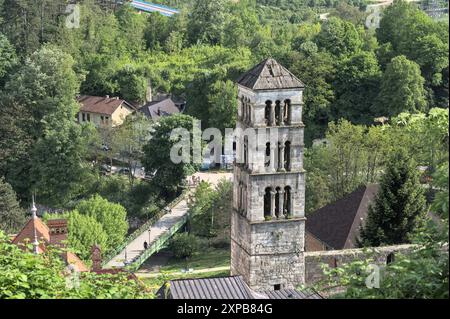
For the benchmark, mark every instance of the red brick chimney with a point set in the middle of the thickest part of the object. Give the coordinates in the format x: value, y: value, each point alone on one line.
x: 58, y: 231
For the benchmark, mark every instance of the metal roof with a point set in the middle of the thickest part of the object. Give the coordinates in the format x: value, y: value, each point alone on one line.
x: 293, y: 294
x: 210, y: 288
x: 269, y: 75
x: 233, y: 287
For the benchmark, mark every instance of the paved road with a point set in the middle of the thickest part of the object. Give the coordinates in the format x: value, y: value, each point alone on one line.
x: 136, y: 247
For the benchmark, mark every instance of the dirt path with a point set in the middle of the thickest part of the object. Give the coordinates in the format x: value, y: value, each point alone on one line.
x: 195, y: 272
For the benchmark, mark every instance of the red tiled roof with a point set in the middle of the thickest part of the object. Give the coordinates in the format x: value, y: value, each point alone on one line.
x: 72, y: 259
x: 101, y: 105
x: 44, y: 236
x: 27, y: 232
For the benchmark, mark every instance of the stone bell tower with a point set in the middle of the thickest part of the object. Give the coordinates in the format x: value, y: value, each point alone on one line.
x: 268, y: 219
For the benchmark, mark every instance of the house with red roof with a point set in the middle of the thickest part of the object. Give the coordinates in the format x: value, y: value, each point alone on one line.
x: 41, y: 235
x: 103, y: 111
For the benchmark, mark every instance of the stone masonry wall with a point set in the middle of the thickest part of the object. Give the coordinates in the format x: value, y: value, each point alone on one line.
x: 268, y: 253
x: 315, y: 260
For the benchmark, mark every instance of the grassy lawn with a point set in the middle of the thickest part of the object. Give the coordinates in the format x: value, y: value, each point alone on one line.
x: 210, y: 258
x: 155, y: 283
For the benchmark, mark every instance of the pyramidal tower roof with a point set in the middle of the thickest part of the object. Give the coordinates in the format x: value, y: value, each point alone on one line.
x: 269, y: 75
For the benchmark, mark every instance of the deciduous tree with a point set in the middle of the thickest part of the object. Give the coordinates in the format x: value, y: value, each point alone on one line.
x: 168, y: 176
x: 402, y: 88
x: 112, y: 217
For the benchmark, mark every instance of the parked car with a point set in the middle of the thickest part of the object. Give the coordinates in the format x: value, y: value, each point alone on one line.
x: 105, y: 147
x: 150, y: 175
x: 124, y: 171
x: 105, y: 169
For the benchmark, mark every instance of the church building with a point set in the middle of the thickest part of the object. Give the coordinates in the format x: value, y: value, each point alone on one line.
x: 268, y: 219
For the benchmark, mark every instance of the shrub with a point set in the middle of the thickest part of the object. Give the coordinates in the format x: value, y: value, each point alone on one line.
x: 184, y: 245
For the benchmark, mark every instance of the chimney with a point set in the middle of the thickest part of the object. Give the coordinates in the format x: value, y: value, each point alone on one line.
x: 149, y: 94
x: 58, y: 231
x: 96, y: 256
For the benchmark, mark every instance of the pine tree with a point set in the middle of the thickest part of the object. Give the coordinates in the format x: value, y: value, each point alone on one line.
x: 12, y: 217
x: 399, y: 208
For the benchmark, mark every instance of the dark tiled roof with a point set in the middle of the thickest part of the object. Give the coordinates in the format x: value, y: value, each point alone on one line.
x: 269, y: 75
x: 337, y: 224
x: 101, y: 105
x: 227, y: 288
x: 157, y: 109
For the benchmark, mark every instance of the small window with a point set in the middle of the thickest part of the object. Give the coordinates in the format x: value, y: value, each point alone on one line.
x: 390, y: 258
x: 84, y: 117
x: 277, y: 287
x: 88, y: 117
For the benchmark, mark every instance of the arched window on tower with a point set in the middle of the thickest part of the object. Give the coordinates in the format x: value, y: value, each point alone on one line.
x: 244, y: 200
x: 241, y: 198
x: 268, y: 202
x: 280, y: 156
x: 287, y: 156
x: 267, y: 112
x: 239, y: 204
x: 287, y: 112
x: 245, y: 110
x: 242, y: 107
x: 246, y: 151
x: 267, y: 157
x: 278, y: 116
x: 277, y: 202
x: 249, y: 112
x: 287, y: 201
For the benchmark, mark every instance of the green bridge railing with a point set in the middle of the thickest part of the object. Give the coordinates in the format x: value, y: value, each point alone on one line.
x: 144, y: 227
x: 157, y: 245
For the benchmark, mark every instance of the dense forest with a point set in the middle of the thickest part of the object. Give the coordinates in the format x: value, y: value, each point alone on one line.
x: 351, y: 72
x: 372, y: 94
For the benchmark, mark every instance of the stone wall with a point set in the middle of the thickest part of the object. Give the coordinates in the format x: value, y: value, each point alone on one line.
x: 337, y: 258
x: 268, y: 254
